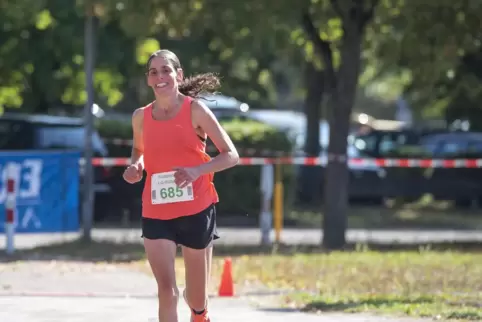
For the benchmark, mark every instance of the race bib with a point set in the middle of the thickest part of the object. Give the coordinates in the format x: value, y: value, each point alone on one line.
x: 165, y: 190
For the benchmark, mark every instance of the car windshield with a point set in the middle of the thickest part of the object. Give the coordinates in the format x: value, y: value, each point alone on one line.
x: 220, y: 102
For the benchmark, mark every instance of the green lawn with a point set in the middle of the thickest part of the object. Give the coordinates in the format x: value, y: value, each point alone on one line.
x: 446, y: 285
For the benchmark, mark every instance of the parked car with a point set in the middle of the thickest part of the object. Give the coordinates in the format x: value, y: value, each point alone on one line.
x: 20, y: 131
x: 461, y: 184
x: 224, y: 106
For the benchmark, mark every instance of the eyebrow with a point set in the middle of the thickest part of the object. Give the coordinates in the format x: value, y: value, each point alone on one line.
x: 152, y: 68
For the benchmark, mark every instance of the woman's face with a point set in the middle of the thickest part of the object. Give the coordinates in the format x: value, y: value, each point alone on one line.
x: 162, y: 77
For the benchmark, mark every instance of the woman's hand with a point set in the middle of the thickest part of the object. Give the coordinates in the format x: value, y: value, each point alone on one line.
x: 185, y: 176
x: 133, y: 173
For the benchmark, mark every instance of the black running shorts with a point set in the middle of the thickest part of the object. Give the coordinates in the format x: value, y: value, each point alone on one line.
x: 196, y: 231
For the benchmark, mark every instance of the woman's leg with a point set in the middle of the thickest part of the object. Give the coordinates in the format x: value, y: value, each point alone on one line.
x: 197, y: 265
x: 209, y: 254
x: 189, y: 273
x: 197, y: 235
x: 161, y: 254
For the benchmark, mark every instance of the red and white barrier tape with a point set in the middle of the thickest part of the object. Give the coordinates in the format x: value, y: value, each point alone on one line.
x: 10, y: 208
x: 385, y: 163
x: 211, y: 148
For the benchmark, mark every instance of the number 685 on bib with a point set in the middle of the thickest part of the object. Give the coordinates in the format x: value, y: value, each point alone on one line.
x: 164, y: 189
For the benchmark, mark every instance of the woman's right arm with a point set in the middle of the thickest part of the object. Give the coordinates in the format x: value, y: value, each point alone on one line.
x: 137, y: 154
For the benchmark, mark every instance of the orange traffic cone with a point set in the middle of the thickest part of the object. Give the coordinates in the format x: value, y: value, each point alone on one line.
x: 226, y: 288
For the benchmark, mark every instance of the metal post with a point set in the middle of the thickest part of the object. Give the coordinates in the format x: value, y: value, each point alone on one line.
x: 10, y: 209
x: 88, y: 193
x: 266, y: 216
x: 278, y: 202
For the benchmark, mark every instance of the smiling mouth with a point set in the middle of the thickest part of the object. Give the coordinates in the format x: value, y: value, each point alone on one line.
x: 161, y: 85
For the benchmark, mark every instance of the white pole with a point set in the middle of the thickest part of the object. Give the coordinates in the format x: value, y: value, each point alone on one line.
x: 266, y: 215
x: 10, y: 209
x: 88, y: 193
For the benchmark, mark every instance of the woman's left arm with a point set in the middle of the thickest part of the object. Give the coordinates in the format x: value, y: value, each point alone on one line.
x: 228, y: 156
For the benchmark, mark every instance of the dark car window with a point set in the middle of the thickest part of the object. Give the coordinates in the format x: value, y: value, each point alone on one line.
x: 383, y: 143
x: 392, y: 142
x: 367, y: 144
x: 15, y: 136
x: 475, y: 147
x: 453, y: 147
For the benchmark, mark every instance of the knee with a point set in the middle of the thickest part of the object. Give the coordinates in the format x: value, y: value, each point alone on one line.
x: 168, y: 295
x: 167, y: 291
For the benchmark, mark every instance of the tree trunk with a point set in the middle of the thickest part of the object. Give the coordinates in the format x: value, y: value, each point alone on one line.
x: 342, y: 86
x: 337, y: 174
x: 310, y: 176
x: 314, y: 95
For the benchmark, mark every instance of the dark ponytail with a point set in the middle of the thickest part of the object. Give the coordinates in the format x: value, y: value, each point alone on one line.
x: 192, y: 86
x: 199, y: 84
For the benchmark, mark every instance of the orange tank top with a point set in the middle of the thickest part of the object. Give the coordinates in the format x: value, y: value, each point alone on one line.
x: 167, y: 145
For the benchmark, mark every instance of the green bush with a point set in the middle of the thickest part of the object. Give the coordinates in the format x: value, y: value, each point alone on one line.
x: 238, y: 187
x: 247, y: 134
x: 114, y: 129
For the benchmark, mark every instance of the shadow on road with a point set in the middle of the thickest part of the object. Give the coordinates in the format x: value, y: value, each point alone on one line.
x: 374, y: 302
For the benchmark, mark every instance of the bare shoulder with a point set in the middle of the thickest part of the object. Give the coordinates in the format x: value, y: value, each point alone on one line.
x: 200, y: 110
x: 138, y: 113
x: 137, y: 128
x: 138, y: 116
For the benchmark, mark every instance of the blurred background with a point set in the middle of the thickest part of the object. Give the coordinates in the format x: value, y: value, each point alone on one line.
x: 330, y: 79
x: 358, y: 123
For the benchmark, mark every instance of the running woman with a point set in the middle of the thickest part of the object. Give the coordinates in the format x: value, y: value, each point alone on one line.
x: 179, y: 197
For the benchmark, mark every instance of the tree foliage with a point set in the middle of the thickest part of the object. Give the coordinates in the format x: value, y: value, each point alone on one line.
x: 422, y: 44
x: 43, y: 47
x: 416, y: 47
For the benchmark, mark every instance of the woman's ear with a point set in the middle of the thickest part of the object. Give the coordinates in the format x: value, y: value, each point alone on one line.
x: 180, y: 75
